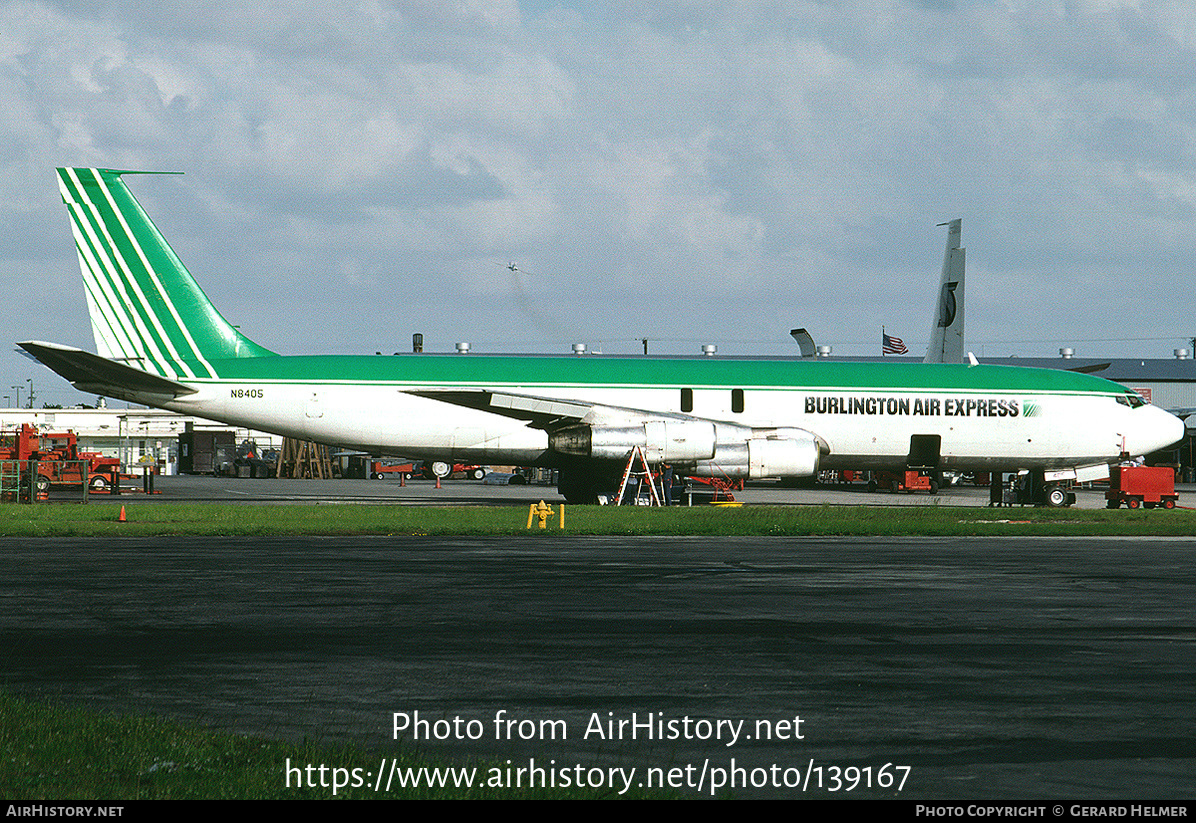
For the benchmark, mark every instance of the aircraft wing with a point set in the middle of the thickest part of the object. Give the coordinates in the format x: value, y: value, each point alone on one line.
x: 544, y: 413
x: 98, y: 375
x: 592, y: 430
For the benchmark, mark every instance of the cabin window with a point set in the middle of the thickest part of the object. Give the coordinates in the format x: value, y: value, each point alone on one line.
x: 737, y: 400
x: 687, y: 400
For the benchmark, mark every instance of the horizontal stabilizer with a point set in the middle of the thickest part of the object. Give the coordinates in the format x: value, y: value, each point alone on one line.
x: 99, y: 375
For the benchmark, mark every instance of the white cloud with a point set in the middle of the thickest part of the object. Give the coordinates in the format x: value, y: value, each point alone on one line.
x: 736, y: 164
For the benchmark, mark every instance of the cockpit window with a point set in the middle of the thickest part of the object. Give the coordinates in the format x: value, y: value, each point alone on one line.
x: 1131, y: 399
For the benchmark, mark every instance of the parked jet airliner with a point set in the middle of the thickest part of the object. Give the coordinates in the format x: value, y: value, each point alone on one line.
x: 162, y: 343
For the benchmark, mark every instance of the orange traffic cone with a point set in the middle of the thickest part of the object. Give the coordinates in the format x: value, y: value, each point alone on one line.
x: 121, y: 519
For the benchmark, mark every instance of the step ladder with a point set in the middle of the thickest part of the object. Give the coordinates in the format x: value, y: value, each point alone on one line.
x: 645, y: 477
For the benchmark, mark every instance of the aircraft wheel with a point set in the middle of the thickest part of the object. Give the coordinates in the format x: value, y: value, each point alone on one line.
x: 99, y: 483
x: 479, y: 474
x: 441, y: 469
x: 376, y: 476
x: 871, y: 485
x: 934, y: 487
x: 42, y: 484
x: 894, y: 486
x: 1056, y: 497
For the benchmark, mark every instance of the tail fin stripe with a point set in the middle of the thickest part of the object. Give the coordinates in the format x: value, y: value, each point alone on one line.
x: 130, y: 280
x: 111, y: 337
x: 107, y: 266
x: 124, y: 277
x: 151, y: 273
x: 101, y: 284
x: 116, y: 342
x: 108, y: 337
x: 107, y: 287
x: 145, y: 306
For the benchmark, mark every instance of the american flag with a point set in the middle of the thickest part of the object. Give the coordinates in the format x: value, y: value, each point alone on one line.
x: 892, y: 345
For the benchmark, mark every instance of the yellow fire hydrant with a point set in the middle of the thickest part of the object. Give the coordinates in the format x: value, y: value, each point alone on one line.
x: 543, y: 511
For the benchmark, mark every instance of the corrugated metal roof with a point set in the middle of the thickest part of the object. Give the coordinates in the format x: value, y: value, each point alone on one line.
x: 1120, y: 370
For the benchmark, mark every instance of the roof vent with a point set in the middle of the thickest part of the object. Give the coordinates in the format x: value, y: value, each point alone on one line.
x: 709, y: 349
x: 1182, y: 354
x: 579, y: 348
x: 1067, y: 353
x: 824, y: 351
x: 462, y: 348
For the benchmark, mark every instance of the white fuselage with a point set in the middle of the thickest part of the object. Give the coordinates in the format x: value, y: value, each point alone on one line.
x: 862, y: 429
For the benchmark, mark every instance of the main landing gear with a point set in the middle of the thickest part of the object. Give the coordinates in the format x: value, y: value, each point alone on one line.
x: 582, y: 484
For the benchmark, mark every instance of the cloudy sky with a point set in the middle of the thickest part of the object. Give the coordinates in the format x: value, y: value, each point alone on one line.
x: 688, y: 171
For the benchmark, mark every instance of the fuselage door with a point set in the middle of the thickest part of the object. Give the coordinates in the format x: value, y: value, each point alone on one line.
x: 924, y: 451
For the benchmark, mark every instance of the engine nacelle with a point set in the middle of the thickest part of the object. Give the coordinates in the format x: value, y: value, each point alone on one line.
x: 673, y: 441
x: 714, y: 450
x: 796, y: 454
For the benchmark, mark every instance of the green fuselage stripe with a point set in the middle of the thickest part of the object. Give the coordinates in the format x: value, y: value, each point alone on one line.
x: 594, y: 372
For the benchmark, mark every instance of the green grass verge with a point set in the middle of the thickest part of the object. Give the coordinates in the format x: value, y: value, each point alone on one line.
x: 216, y: 519
x: 54, y: 753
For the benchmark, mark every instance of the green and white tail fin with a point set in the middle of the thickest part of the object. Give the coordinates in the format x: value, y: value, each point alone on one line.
x: 146, y: 309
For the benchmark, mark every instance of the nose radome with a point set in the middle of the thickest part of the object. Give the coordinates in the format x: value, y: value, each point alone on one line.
x: 1163, y: 429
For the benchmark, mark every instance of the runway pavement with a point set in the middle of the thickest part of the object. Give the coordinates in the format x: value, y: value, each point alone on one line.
x: 967, y: 669
x: 419, y: 492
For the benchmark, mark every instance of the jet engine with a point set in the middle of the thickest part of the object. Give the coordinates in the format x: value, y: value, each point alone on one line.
x: 711, y: 449
x: 764, y: 456
x: 672, y: 441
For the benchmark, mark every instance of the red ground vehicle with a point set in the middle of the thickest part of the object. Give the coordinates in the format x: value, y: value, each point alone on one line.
x: 721, y: 488
x: 379, y: 470
x: 1136, y: 486
x: 438, y: 468
x: 58, y: 458
x: 907, y: 481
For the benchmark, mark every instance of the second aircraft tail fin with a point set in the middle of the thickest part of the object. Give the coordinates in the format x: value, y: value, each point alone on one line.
x: 946, y: 333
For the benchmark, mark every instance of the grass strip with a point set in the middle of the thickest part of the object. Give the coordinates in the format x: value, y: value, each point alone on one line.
x: 61, y: 753
x: 216, y: 519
